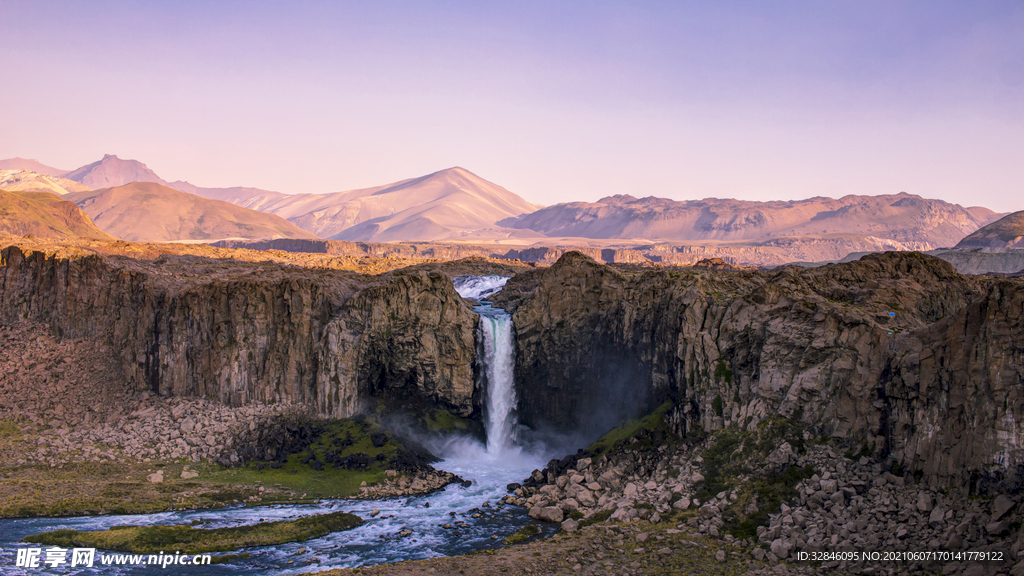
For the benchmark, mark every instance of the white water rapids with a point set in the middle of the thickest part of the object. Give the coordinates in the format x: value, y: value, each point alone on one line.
x: 490, y: 467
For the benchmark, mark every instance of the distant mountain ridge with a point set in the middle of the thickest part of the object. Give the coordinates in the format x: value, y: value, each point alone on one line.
x: 448, y: 204
x: 456, y: 205
x: 45, y: 215
x: 1007, y: 232
x: 33, y: 165
x: 900, y: 217
x: 113, y: 171
x: 151, y: 212
x: 29, y: 181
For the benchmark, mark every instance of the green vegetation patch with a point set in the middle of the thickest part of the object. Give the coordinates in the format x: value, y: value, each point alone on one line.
x: 80, y: 488
x: 441, y: 420
x: 9, y: 428
x: 523, y: 534
x: 737, y: 452
x: 649, y: 431
x: 736, y: 459
x: 597, y: 518
x: 723, y: 372
x: 189, y: 540
x: 770, y: 492
x: 340, y: 455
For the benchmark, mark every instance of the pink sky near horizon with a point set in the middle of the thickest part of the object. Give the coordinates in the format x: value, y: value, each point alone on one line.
x: 555, y: 101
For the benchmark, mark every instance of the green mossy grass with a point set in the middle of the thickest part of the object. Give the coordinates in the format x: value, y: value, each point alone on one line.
x: 441, y: 420
x: 597, y: 518
x: 74, y: 489
x: 189, y: 540
x: 9, y: 429
x: 735, y: 459
x: 111, y: 488
x: 350, y: 438
x: 523, y: 534
x: 649, y: 431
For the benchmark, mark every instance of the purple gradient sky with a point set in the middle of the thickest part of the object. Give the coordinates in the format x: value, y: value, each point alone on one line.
x: 556, y: 101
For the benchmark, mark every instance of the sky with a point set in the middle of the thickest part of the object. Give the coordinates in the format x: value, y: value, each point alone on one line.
x: 556, y: 101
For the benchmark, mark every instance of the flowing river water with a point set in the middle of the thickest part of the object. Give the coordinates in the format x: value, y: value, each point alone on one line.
x: 489, y: 466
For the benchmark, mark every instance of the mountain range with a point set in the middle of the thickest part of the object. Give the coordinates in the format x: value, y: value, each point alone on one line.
x: 448, y: 204
x: 901, y: 217
x: 457, y: 205
x: 150, y: 212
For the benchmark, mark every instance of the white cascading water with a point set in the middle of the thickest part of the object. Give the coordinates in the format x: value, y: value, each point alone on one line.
x: 498, y: 361
x: 497, y: 348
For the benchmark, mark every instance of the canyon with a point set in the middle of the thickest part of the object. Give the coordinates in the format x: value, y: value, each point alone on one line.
x: 895, y: 352
x: 889, y: 378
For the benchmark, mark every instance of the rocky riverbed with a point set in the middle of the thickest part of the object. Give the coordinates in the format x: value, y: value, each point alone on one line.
x: 777, y: 498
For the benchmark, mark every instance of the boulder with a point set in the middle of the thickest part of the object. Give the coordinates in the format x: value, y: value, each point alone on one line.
x: 1000, y: 506
x: 1000, y: 528
x: 925, y: 502
x: 781, y: 456
x: 609, y: 478
x: 709, y: 511
x: 156, y: 477
x: 781, y: 548
x: 585, y: 498
x: 547, y: 513
x: 937, y: 518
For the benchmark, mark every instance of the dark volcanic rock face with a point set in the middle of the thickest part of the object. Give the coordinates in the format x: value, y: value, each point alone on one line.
x: 407, y: 341
x: 896, y: 353
x: 241, y: 332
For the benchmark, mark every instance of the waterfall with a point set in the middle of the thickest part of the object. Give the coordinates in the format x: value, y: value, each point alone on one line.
x: 497, y: 360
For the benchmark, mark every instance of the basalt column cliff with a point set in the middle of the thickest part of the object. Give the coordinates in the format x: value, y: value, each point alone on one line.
x: 242, y: 332
x: 896, y: 354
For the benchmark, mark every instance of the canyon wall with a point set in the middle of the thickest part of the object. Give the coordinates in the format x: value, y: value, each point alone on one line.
x: 896, y: 353
x: 245, y: 332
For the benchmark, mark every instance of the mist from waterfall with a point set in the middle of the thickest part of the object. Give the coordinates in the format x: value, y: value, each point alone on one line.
x: 496, y: 344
